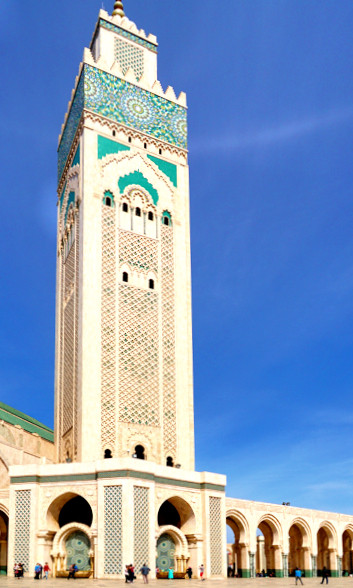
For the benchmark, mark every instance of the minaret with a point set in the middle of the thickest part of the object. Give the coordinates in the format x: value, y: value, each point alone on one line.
x: 123, y: 320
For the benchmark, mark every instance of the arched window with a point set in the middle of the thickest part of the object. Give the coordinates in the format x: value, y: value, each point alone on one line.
x: 170, y: 462
x: 151, y: 284
x: 108, y: 199
x: 166, y: 221
x: 125, y: 277
x: 125, y: 207
x: 139, y: 452
x: 107, y: 454
x: 138, y: 211
x: 150, y: 215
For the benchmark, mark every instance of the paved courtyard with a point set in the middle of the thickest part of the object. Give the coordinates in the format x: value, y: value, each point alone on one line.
x: 240, y: 583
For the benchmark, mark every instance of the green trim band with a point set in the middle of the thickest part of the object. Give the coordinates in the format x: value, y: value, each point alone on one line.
x: 123, y: 33
x: 115, y: 474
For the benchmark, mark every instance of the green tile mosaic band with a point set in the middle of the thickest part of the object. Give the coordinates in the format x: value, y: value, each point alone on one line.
x: 123, y: 33
x: 125, y: 103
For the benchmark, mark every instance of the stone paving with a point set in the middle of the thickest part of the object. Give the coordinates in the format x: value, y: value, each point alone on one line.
x: 231, y: 583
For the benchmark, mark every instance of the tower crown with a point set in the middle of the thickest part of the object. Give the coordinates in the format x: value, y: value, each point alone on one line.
x: 118, y: 9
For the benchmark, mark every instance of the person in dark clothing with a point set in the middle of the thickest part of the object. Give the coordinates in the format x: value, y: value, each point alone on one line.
x: 189, y: 573
x: 324, y: 575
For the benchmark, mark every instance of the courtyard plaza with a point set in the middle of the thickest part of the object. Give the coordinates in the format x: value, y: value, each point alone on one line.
x: 345, y: 582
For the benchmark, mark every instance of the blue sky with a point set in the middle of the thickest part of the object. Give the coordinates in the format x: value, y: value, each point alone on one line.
x: 270, y: 95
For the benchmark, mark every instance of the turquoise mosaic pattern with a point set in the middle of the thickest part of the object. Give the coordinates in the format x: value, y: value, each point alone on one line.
x: 71, y: 127
x: 169, y: 169
x: 107, y: 146
x: 165, y: 552
x: 77, y: 551
x: 76, y: 159
x: 127, y: 104
x: 127, y: 35
x: 138, y: 179
x: 118, y: 100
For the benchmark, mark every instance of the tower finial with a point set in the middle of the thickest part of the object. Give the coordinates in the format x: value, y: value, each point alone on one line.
x: 118, y: 8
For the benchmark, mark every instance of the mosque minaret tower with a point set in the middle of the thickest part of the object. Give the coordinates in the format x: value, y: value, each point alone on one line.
x: 119, y: 484
x: 123, y: 383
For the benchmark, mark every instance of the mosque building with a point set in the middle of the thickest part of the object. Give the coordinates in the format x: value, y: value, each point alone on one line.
x: 116, y: 482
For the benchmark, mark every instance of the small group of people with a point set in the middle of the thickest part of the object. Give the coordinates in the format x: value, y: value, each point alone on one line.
x: 298, y: 575
x: 18, y: 570
x: 130, y: 573
x: 39, y: 569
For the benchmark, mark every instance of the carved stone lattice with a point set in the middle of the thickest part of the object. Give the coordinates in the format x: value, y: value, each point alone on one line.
x: 68, y: 341
x: 69, y: 317
x: 141, y: 526
x: 138, y: 251
x: 168, y: 332
x: 129, y: 56
x: 215, y: 535
x: 77, y: 269
x: 113, y: 530
x: 108, y: 327
x: 22, y: 527
x: 138, y: 356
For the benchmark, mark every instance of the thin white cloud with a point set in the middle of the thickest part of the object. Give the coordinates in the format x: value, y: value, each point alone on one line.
x: 266, y: 137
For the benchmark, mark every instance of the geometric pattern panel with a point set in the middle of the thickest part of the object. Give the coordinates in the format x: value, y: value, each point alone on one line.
x: 114, y: 98
x: 165, y: 552
x: 215, y: 536
x: 22, y: 527
x: 134, y: 107
x: 141, y: 527
x: 78, y: 547
x: 129, y: 56
x: 113, y: 529
x: 168, y: 334
x: 71, y: 125
x: 138, y: 356
x: 137, y: 251
x: 108, y: 328
x: 68, y: 392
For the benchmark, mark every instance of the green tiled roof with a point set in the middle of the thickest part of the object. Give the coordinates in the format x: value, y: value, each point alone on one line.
x: 16, y: 417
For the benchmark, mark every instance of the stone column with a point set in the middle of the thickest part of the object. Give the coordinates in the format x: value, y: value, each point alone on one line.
x: 252, y: 564
x: 285, y: 565
x: 314, y: 565
x: 339, y: 566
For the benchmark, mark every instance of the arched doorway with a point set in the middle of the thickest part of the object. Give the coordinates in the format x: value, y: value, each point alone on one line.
x: 165, y: 552
x: 69, y: 518
x: 347, y: 550
x: 4, y: 526
x: 269, y: 550
x: 299, y: 548
x: 69, y: 508
x: 238, y: 561
x: 177, y: 512
x: 326, y: 549
x: 176, y: 522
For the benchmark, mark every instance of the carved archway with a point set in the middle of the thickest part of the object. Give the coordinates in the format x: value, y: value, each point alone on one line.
x: 271, y: 530
x: 239, y: 552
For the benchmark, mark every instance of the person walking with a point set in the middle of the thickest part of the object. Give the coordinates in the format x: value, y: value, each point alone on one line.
x: 37, y: 571
x: 324, y: 575
x: 202, y: 572
x: 46, y: 570
x: 298, y: 576
x: 189, y: 572
x: 145, y: 570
